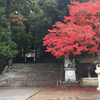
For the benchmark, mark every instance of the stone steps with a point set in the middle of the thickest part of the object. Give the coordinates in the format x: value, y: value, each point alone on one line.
x: 32, y: 74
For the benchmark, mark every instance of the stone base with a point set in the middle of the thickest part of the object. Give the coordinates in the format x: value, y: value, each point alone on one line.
x: 69, y: 84
x: 98, y: 88
x: 92, y: 81
x: 70, y: 74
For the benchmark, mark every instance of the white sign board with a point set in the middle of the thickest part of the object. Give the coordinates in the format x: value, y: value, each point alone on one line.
x: 70, y: 73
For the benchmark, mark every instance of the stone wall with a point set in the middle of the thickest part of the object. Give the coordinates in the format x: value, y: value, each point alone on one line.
x: 93, y: 81
x: 35, y: 74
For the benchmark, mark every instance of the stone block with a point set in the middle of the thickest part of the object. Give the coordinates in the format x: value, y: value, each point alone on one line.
x: 93, y: 81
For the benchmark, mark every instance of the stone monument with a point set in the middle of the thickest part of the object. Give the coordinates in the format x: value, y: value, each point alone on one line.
x: 70, y: 75
x: 69, y: 69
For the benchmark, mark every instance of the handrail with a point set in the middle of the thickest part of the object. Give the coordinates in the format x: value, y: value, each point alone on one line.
x: 4, y: 71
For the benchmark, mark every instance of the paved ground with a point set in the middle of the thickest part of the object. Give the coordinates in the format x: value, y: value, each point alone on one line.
x: 49, y: 93
x: 74, y: 93
x: 17, y: 93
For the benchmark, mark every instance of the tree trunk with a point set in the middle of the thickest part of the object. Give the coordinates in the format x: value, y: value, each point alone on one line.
x: 8, y: 12
x: 9, y: 23
x: 24, y: 54
x: 36, y: 51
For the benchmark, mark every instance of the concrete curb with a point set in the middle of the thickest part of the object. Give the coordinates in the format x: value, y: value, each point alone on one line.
x: 36, y: 93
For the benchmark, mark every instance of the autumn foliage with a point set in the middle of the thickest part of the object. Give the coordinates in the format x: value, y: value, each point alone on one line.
x: 80, y: 32
x: 17, y: 18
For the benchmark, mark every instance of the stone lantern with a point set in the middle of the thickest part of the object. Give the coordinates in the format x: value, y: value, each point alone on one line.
x: 97, y: 71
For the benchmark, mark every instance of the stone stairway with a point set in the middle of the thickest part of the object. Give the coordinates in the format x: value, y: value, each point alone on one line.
x: 31, y: 74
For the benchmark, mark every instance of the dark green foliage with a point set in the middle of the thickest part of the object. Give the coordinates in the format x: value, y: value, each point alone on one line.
x: 83, y: 0
x: 7, y: 47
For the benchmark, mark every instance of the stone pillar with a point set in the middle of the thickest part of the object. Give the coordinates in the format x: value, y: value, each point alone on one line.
x: 10, y: 62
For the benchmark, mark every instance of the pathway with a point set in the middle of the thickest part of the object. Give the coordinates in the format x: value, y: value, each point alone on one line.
x: 17, y: 93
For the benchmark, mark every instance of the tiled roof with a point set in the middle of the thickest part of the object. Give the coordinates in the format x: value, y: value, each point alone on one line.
x: 97, y: 62
x: 88, y: 60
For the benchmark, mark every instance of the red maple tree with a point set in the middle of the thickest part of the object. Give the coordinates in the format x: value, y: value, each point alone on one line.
x: 80, y: 32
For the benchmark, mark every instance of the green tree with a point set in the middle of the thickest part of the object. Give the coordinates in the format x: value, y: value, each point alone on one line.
x: 7, y: 46
x: 19, y: 33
